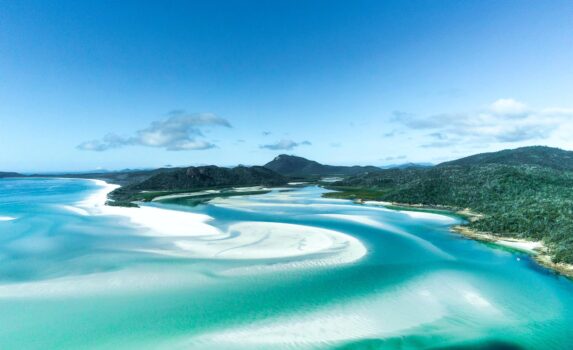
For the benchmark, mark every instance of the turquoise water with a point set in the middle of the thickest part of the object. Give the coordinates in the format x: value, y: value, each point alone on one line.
x: 72, y: 277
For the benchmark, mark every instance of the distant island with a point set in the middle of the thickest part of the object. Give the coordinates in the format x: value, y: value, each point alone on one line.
x: 4, y: 174
x: 524, y: 193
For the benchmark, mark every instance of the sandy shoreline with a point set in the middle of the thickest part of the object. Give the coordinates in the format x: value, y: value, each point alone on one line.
x: 163, y: 222
x: 234, y: 190
x: 156, y: 221
x: 192, y: 235
x: 535, y: 248
x: 530, y: 247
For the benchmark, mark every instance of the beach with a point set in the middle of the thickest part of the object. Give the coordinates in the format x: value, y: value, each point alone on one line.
x: 535, y: 248
x: 283, y: 270
x: 192, y: 236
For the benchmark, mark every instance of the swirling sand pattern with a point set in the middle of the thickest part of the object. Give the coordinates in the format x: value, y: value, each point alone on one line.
x: 283, y: 270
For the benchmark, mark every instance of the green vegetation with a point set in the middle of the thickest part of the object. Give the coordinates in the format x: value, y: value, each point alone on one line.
x: 353, y: 193
x: 193, y: 179
x: 121, y: 204
x: 525, y: 192
x: 547, y: 157
x: 203, y: 198
x: 148, y: 196
x: 9, y: 174
x: 527, y: 201
x: 193, y: 198
x: 299, y: 167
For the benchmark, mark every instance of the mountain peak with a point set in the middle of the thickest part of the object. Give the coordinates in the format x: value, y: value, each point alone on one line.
x: 288, y: 156
x: 291, y: 165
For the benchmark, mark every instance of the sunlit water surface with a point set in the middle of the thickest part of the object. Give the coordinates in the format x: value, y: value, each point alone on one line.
x: 283, y: 270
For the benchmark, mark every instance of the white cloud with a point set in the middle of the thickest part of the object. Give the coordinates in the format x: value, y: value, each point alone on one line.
x: 504, y: 121
x: 179, y: 132
x: 400, y: 157
x: 508, y: 107
x: 285, y: 145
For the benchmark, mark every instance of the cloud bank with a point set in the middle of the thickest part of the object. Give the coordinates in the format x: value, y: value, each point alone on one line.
x: 504, y: 121
x: 285, y: 145
x: 179, y: 132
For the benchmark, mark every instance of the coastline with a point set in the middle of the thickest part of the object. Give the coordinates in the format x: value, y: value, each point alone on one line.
x: 157, y: 220
x: 193, y: 236
x: 536, y: 249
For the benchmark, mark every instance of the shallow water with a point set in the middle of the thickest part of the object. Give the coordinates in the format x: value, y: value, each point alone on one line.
x: 283, y: 270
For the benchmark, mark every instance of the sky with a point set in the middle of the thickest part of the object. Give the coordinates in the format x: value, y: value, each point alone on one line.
x: 87, y: 85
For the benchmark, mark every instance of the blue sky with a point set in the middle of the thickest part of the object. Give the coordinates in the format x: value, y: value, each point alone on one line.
x: 117, y: 84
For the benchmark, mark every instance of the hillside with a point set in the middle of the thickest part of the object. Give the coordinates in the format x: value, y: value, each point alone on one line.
x: 407, y: 166
x: 294, y: 166
x: 549, y: 157
x: 195, y: 178
x: 9, y: 174
x: 522, y: 200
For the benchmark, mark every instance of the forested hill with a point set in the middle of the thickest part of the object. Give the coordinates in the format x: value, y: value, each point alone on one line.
x: 554, y: 158
x: 4, y: 174
x: 288, y: 165
x: 524, y: 200
x: 194, y: 178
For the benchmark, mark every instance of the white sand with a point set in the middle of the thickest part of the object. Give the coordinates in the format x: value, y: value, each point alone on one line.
x: 361, y: 219
x: 429, y: 216
x: 194, y: 237
x: 379, y: 203
x: 331, y: 179
x: 182, y: 195
x: 249, y: 189
x: 7, y: 218
x: 201, y: 193
x: 420, y: 301
x: 376, y: 316
x: 130, y: 280
x: 415, y: 214
x: 156, y: 221
x: 530, y: 247
x: 264, y: 240
x: 366, y: 220
x: 283, y: 200
x: 76, y: 210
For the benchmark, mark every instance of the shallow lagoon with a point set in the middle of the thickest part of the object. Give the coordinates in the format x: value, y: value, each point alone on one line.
x: 283, y: 270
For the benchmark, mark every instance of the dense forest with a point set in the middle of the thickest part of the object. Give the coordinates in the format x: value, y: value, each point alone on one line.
x: 9, y: 174
x: 196, y: 178
x: 294, y: 166
x: 530, y: 200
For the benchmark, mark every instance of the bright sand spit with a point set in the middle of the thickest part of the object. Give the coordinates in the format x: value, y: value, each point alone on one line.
x: 531, y: 247
x: 194, y: 237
